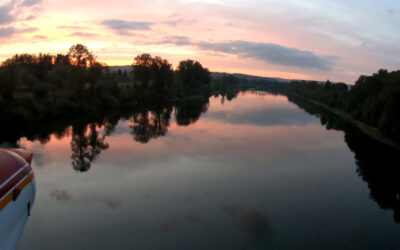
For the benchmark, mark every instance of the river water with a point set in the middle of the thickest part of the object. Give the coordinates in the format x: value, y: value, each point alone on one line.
x: 254, y: 172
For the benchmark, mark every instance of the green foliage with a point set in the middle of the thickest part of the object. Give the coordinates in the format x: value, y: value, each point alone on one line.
x: 49, y: 87
x: 192, y: 77
x: 43, y: 87
x: 153, y: 78
x: 374, y: 100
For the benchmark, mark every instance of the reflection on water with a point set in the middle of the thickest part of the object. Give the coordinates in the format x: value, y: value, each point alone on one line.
x: 241, y: 171
x: 86, y: 145
x: 377, y: 164
x: 150, y: 124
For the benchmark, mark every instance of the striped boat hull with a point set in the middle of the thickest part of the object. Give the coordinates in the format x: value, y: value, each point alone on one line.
x: 17, y: 194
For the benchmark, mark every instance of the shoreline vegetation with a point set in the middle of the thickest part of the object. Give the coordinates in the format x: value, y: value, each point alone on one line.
x: 372, y: 104
x: 45, y: 89
x: 44, y: 86
x: 365, y: 128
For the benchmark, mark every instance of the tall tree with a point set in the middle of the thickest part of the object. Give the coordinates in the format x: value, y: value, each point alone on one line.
x: 81, y: 56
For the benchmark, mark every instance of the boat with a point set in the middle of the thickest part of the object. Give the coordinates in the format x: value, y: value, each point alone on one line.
x: 17, y: 195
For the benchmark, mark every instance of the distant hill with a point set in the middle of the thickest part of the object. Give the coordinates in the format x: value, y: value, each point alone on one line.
x: 126, y: 68
x: 250, y: 77
x: 216, y: 75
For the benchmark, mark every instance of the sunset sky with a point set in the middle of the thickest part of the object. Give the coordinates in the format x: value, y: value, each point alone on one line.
x: 313, y: 39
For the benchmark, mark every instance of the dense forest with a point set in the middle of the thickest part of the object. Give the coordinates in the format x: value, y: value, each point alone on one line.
x: 374, y: 100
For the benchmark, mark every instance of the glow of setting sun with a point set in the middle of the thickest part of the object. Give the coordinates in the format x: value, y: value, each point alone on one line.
x: 312, y: 40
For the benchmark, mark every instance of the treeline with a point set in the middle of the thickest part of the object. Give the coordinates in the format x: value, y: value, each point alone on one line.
x: 44, y: 86
x: 374, y: 100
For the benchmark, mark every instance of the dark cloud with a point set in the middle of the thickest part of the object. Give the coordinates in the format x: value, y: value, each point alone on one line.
x: 5, y: 16
x: 124, y: 27
x: 177, y: 40
x: 10, y: 31
x: 30, y: 2
x: 268, y: 52
x: 5, y: 11
x: 28, y: 30
x: 271, y: 53
x: 30, y: 17
x: 175, y: 22
x: 6, y: 32
x: 84, y: 34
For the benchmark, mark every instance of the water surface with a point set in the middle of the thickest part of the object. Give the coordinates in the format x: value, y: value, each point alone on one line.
x: 256, y: 172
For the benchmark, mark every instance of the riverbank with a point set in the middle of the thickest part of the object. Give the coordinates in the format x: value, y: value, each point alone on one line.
x: 370, y: 131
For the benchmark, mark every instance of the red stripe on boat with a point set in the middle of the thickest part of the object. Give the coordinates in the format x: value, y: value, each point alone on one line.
x: 10, y: 164
x: 13, y: 182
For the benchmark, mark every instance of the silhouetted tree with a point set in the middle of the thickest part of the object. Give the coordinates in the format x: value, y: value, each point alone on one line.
x: 153, y: 78
x: 192, y: 77
x: 80, y: 55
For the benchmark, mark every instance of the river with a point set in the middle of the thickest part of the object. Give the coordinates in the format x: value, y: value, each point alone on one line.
x: 254, y: 172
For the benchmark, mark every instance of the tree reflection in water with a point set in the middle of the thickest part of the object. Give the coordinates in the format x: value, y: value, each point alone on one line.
x: 189, y: 111
x: 377, y: 164
x: 149, y: 124
x: 86, y: 145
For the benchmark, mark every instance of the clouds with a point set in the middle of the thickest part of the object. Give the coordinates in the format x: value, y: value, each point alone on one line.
x: 272, y: 53
x: 9, y: 17
x: 5, y: 16
x: 267, y: 52
x: 27, y: 30
x: 30, y: 2
x: 308, y: 39
x: 177, y: 40
x: 10, y: 31
x: 83, y: 34
x: 6, y: 32
x: 125, y: 27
